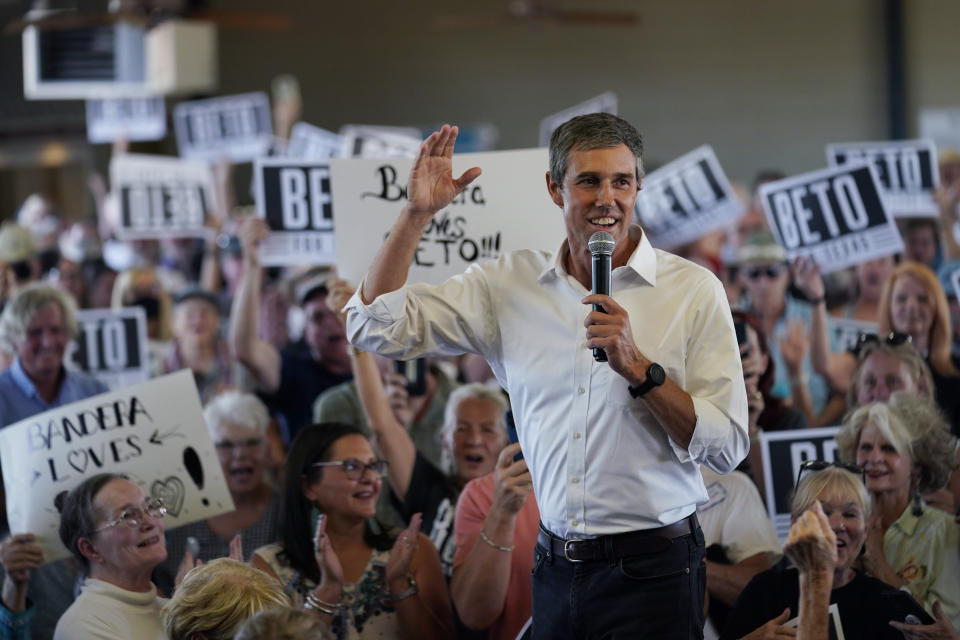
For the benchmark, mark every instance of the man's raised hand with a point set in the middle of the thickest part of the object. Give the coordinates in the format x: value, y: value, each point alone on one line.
x: 431, y: 186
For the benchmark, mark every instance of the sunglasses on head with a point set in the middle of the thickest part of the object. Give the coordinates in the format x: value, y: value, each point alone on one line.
x: 892, y: 339
x: 820, y: 465
x: 772, y: 271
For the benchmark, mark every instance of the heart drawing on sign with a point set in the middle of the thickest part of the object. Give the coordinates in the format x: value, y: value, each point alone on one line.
x: 78, y: 459
x: 171, y: 491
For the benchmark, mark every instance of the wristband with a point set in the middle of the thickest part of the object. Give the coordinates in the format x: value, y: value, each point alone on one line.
x: 315, y: 603
x: 393, y: 598
x: 498, y: 547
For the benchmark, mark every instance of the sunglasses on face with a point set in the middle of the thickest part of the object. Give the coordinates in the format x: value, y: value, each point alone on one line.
x: 132, y: 517
x: 771, y: 271
x: 820, y: 465
x: 354, y: 469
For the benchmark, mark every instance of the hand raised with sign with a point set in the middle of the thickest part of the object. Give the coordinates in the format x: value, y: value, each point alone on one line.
x: 339, y: 293
x: 253, y: 231
x: 19, y: 555
x: 431, y: 186
x: 806, y: 277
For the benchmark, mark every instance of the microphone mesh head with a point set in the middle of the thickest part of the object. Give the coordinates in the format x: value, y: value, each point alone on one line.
x: 601, y: 242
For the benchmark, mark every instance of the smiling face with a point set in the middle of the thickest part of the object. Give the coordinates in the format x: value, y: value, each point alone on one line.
x: 886, y: 469
x: 871, y: 275
x: 849, y: 523
x: 335, y: 494
x: 881, y: 375
x: 911, y: 308
x: 243, y: 454
x: 597, y: 194
x: 766, y: 283
x: 196, y: 321
x: 44, y: 344
x: 122, y: 549
x: 479, y: 436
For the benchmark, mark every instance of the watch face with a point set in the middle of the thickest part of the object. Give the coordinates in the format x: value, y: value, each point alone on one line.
x: 656, y: 374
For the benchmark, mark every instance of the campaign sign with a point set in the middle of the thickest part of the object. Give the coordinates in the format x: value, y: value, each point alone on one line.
x: 783, y: 451
x: 834, y: 216
x: 603, y: 103
x: 153, y: 433
x: 907, y: 171
x: 238, y: 127
x: 111, y: 345
x: 506, y: 208
x: 160, y: 196
x: 686, y: 199
x: 368, y: 141
x: 293, y: 196
x: 313, y: 143
x: 134, y: 119
x: 845, y: 332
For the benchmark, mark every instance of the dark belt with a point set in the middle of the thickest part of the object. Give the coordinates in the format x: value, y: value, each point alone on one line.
x: 620, y: 545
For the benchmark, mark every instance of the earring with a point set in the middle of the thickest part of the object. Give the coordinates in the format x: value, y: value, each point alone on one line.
x: 917, y: 503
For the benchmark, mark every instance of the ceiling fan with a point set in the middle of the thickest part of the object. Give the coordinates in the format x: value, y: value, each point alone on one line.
x: 538, y: 13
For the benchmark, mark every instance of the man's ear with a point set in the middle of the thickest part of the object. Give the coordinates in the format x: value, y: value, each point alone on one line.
x: 89, y: 551
x: 554, y: 189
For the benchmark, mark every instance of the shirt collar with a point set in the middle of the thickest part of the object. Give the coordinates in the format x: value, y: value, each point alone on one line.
x: 643, y: 260
x: 908, y: 522
x: 23, y: 381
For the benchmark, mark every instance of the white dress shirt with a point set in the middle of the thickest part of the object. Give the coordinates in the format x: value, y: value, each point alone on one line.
x: 600, y: 461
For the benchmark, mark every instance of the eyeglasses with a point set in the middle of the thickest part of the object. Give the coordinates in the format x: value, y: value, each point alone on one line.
x: 227, y: 446
x: 892, y: 339
x: 133, y: 516
x: 356, y: 469
x: 820, y: 465
x: 772, y: 271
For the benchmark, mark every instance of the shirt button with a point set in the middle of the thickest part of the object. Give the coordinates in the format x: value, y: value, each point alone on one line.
x: 576, y: 435
x: 574, y: 522
x: 581, y: 390
x: 574, y: 479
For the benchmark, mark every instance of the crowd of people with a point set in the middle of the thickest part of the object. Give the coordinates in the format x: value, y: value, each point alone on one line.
x: 371, y: 503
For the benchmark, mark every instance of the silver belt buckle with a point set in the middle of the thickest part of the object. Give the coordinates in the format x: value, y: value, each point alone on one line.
x: 566, y: 549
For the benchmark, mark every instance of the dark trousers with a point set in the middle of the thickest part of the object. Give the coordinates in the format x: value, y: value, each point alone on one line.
x: 657, y: 595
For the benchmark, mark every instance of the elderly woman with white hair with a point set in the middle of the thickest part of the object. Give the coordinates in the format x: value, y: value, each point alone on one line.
x: 906, y: 450
x: 237, y: 423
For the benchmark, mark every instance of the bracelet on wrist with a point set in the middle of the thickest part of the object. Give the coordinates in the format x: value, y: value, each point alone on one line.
x: 498, y: 547
x: 412, y: 590
x: 816, y: 301
x: 802, y: 379
x: 315, y: 603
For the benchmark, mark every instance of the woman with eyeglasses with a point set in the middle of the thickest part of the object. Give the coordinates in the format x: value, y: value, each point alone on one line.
x: 334, y: 558
x: 115, y: 532
x: 906, y: 450
x: 237, y: 423
x: 865, y: 605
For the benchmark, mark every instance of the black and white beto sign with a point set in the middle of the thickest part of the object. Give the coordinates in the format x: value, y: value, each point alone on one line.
x: 112, y: 346
x: 834, y: 216
x: 783, y: 451
x: 686, y: 199
x: 161, y: 196
x: 603, y: 103
x: 313, y: 143
x: 845, y: 332
x: 907, y: 171
x: 135, y: 119
x: 293, y: 196
x: 369, y: 141
x: 238, y: 127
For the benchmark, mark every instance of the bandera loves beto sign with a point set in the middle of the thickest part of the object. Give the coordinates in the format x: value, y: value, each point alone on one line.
x: 834, y: 216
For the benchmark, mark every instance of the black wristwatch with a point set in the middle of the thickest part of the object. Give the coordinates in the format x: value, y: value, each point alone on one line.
x: 655, y: 377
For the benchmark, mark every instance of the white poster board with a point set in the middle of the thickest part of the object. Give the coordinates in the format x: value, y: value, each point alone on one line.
x: 906, y: 170
x: 603, y: 103
x: 687, y: 199
x: 845, y: 332
x: 506, y: 208
x: 313, y: 143
x: 372, y: 141
x: 942, y: 125
x: 111, y: 345
x: 293, y: 196
x: 237, y: 127
x: 834, y: 216
x: 160, y: 196
x: 153, y: 433
x: 133, y: 119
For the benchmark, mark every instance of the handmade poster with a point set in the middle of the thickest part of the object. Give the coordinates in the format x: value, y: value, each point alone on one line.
x: 686, y: 199
x: 845, y: 332
x: 237, y: 127
x: 907, y: 171
x: 603, y: 103
x: 111, y: 345
x: 942, y: 125
x: 506, y: 208
x: 783, y: 451
x: 153, y: 433
x: 160, y: 196
x: 369, y: 141
x: 293, y: 196
x: 834, y: 216
x: 313, y: 143
x: 134, y: 119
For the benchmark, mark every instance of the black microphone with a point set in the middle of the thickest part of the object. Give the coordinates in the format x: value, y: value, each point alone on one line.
x: 601, y: 247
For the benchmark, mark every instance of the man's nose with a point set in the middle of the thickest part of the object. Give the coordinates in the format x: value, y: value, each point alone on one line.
x: 605, y: 195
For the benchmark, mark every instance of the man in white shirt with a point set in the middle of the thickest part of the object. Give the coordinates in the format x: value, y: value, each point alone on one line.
x: 614, y: 447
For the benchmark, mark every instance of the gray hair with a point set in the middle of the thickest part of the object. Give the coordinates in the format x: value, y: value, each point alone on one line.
x: 459, y: 395
x: 592, y: 131
x: 78, y: 517
x: 27, y: 302
x: 244, y: 409
x: 905, y: 353
x: 913, y: 426
x: 834, y: 482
